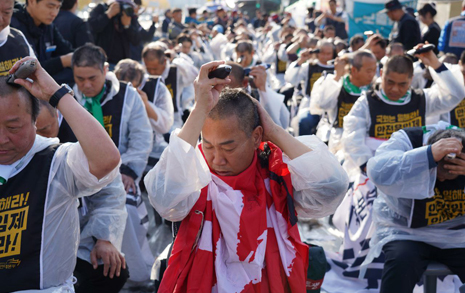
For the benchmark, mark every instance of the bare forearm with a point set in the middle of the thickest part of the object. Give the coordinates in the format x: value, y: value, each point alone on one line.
x: 293, y: 48
x: 150, y: 111
x: 190, y: 132
x: 319, y: 19
x: 292, y: 147
x: 101, y: 152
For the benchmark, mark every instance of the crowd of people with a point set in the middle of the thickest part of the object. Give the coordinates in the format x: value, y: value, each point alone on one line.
x: 366, y: 132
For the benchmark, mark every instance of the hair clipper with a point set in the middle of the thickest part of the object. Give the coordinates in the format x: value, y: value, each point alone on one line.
x: 24, y: 70
x: 220, y: 72
x: 424, y: 49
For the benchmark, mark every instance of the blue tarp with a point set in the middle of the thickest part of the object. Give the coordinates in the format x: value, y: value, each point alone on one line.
x: 365, y: 17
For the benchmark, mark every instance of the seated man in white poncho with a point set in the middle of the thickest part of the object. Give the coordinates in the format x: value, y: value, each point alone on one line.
x: 420, y: 210
x: 241, y: 194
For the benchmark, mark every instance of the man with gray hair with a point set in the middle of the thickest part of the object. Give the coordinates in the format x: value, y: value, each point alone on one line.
x: 334, y: 95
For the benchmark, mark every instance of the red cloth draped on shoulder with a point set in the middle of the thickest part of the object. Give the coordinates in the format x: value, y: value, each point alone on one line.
x: 267, y: 208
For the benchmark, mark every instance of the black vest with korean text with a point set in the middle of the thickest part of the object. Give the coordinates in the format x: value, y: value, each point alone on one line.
x: 171, y: 83
x: 345, y: 102
x: 22, y: 203
x: 387, y: 119
x: 14, y: 49
x: 112, y: 114
x: 151, y: 87
x: 314, y: 72
x: 457, y: 115
x: 448, y: 201
x: 281, y: 66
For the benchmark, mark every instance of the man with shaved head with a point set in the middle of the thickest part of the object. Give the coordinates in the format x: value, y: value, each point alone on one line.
x: 238, y: 194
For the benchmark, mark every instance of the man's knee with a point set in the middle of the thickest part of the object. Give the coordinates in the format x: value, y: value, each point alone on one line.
x: 404, y: 251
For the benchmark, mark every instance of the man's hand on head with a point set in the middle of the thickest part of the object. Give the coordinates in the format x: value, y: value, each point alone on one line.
x: 340, y: 66
x: 371, y: 41
x: 445, y: 146
x: 455, y: 166
x: 113, y: 261
x: 304, y: 56
x: 43, y: 85
x: 259, y: 77
x: 270, y: 129
x: 207, y: 91
x: 428, y: 58
x: 207, y: 94
x: 277, y: 135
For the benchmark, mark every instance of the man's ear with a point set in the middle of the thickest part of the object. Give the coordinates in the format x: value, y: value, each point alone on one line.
x: 106, y: 67
x: 353, y: 70
x: 257, y: 136
x: 245, y: 82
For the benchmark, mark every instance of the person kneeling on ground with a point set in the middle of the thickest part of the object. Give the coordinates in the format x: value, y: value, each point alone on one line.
x: 238, y: 195
x: 419, y: 212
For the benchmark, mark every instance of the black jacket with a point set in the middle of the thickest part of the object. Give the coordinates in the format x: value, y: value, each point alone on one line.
x: 111, y: 35
x: 408, y: 32
x: 46, y: 41
x: 73, y: 28
x: 145, y: 36
x: 432, y: 35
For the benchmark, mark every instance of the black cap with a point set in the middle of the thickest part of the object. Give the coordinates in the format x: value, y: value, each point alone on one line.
x: 428, y: 8
x: 391, y: 5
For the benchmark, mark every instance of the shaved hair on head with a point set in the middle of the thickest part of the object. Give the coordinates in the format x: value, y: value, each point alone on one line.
x: 357, y: 58
x: 237, y: 102
x: 399, y: 64
x: 237, y: 71
x: 7, y: 90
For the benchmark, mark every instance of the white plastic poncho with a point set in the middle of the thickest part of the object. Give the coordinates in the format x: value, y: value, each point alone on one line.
x: 187, y: 73
x: 163, y: 106
x: 324, y: 95
x: 136, y: 137
x: 402, y: 174
x: 69, y: 179
x: 103, y: 216
x: 174, y: 184
x: 359, y: 147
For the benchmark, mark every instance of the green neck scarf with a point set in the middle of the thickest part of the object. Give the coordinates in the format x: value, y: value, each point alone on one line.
x: 400, y: 101
x: 94, y: 107
x: 351, y: 88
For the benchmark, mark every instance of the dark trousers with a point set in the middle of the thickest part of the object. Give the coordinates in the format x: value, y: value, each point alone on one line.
x: 406, y: 261
x: 90, y: 280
